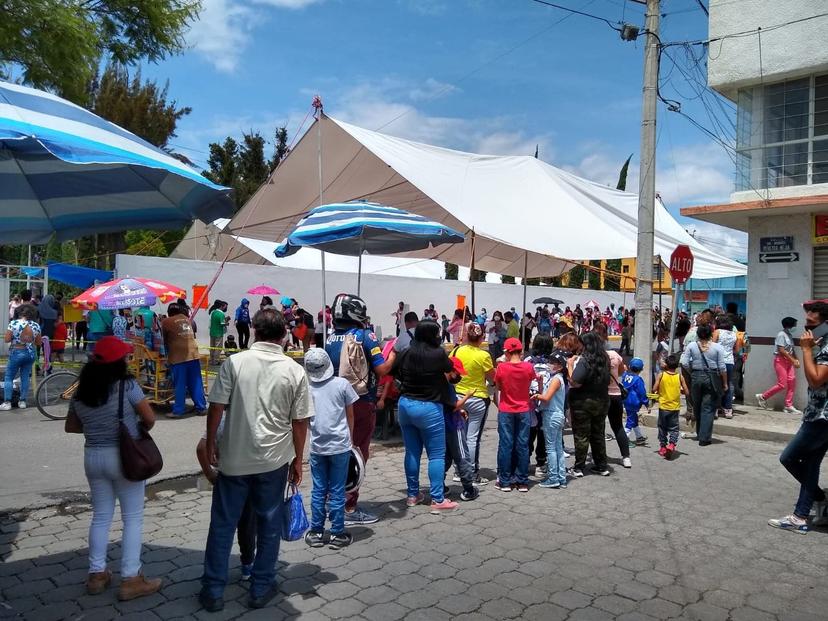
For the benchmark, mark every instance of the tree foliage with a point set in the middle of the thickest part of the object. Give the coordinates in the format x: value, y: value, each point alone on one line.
x: 576, y: 277
x: 242, y: 165
x: 622, y: 176
x: 452, y: 271
x: 507, y: 280
x: 58, y: 44
x: 478, y: 275
x: 595, y: 275
x: 533, y: 282
x: 611, y: 281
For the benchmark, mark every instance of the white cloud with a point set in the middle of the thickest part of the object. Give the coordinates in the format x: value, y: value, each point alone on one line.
x: 222, y: 32
x: 729, y: 242
x: 432, y: 89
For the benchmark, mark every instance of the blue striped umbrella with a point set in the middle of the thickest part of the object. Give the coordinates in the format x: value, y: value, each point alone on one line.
x: 65, y: 170
x: 359, y: 227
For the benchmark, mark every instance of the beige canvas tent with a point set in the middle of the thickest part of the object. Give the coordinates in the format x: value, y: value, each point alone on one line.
x: 528, y: 216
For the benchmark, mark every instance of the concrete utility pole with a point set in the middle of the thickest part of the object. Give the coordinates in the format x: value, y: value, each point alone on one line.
x: 646, y: 197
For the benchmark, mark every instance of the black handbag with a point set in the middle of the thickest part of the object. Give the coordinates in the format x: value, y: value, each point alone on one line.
x: 624, y: 391
x: 713, y: 374
x: 140, y: 457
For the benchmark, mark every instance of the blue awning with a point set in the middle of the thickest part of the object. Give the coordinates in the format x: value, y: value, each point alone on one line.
x: 77, y: 275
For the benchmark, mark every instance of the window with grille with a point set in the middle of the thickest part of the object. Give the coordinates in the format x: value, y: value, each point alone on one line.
x: 782, y: 134
x: 820, y: 278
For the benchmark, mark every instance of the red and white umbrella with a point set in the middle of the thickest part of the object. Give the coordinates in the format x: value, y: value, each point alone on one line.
x: 592, y: 304
x: 127, y: 293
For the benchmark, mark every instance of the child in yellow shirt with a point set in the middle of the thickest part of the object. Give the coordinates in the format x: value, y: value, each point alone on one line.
x: 670, y: 386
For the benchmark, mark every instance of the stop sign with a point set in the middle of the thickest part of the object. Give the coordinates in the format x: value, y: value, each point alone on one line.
x: 681, y: 264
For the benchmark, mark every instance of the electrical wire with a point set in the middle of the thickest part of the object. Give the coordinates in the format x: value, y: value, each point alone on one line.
x: 746, y: 33
x: 703, y: 8
x: 577, y: 12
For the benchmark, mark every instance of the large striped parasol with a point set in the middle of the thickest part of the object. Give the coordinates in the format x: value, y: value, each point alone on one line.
x: 66, y: 171
x: 127, y: 293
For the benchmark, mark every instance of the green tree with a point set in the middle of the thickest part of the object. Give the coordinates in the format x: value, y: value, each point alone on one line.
x: 555, y: 281
x: 622, y: 176
x: 478, y: 275
x: 576, y: 277
x: 58, y: 44
x: 611, y: 281
x: 243, y: 166
x: 533, y: 282
x: 595, y: 275
x: 452, y: 271
x: 507, y: 280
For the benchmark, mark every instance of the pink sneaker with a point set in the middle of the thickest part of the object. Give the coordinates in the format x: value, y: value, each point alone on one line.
x: 663, y: 451
x: 413, y: 501
x: 443, y: 507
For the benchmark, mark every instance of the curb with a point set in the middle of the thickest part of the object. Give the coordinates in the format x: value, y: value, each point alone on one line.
x: 731, y: 428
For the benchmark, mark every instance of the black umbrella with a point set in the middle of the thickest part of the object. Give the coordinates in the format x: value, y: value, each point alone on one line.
x: 547, y: 301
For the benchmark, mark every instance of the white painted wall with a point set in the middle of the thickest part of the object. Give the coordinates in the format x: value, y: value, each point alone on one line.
x: 793, y: 50
x: 776, y: 291
x: 381, y: 293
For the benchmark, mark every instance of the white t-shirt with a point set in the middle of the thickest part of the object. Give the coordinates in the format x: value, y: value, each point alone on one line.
x: 329, y: 426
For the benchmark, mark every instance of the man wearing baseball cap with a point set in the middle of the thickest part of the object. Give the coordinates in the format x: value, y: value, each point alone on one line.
x: 804, y: 453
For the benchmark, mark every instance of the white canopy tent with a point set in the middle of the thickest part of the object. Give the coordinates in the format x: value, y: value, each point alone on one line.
x: 528, y: 216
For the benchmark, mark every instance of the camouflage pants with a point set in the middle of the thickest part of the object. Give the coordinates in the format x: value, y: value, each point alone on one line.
x: 588, y: 421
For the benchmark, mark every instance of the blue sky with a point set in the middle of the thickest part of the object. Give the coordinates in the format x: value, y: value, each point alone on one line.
x: 489, y: 76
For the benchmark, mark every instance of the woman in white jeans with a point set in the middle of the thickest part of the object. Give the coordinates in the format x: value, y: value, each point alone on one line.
x: 94, y: 413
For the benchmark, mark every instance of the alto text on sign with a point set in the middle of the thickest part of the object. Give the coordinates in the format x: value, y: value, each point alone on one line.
x: 681, y: 264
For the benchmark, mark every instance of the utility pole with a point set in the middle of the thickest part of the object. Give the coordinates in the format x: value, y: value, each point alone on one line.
x: 646, y: 197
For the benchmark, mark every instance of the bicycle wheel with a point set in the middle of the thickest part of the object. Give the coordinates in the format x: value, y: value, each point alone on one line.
x: 54, y: 393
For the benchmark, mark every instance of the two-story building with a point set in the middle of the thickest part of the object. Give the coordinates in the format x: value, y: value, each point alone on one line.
x: 771, y: 60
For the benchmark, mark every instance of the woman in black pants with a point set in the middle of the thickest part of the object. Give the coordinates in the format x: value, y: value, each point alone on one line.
x: 615, y: 414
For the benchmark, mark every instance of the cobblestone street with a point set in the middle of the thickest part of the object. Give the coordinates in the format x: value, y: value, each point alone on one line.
x: 681, y: 540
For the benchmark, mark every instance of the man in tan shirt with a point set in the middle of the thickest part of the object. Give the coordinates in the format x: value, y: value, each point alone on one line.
x: 264, y: 397
x: 182, y: 357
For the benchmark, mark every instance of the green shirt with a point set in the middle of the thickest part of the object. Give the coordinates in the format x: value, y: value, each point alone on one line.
x: 100, y: 321
x: 217, y: 323
x: 512, y: 330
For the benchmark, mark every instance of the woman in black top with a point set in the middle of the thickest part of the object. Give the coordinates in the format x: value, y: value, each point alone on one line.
x: 421, y: 371
x: 588, y: 404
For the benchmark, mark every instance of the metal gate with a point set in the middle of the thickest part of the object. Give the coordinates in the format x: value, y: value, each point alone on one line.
x: 820, y: 279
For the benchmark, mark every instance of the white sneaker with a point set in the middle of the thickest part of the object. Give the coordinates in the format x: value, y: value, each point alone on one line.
x: 792, y: 410
x: 21, y: 404
x: 456, y: 478
x: 626, y: 462
x: 761, y: 401
x: 5, y: 406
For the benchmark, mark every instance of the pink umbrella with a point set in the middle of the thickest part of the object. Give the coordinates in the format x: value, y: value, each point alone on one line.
x: 263, y: 290
x: 592, y: 304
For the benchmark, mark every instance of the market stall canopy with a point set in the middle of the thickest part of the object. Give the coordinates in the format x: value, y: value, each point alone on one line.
x: 66, y: 171
x: 514, y: 204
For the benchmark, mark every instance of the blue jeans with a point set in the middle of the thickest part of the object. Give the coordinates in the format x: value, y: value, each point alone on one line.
x: 727, y: 397
x: 513, y: 442
x: 423, y: 425
x: 329, y: 473
x: 230, y: 493
x: 553, y: 423
x: 802, y: 458
x: 20, y: 361
x: 102, y: 465
x: 186, y: 377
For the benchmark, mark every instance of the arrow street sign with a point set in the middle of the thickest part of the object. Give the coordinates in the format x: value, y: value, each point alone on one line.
x: 778, y: 257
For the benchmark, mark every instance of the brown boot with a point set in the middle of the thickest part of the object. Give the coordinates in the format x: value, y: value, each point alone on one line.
x: 97, y: 582
x: 137, y: 587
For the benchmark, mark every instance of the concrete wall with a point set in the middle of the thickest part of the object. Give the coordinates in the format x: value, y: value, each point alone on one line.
x: 381, y: 293
x: 792, y: 50
x: 776, y: 290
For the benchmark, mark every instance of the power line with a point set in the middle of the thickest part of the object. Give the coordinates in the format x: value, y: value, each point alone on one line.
x: 746, y: 33
x: 577, y: 12
x: 703, y: 8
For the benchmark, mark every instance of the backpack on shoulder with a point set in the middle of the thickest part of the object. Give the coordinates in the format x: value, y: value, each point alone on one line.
x: 353, y: 365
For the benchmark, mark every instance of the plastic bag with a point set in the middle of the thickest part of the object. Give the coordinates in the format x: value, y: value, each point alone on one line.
x: 296, y: 520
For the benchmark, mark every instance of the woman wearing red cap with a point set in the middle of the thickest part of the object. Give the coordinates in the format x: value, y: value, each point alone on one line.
x: 94, y: 411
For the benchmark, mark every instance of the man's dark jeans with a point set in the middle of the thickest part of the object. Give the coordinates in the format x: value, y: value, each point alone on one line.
x: 267, y: 496
x: 802, y: 458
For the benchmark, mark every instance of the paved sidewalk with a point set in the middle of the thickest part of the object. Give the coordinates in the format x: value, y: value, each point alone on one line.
x: 685, y: 539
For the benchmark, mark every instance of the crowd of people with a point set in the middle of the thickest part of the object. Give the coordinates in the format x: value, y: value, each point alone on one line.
x: 263, y: 405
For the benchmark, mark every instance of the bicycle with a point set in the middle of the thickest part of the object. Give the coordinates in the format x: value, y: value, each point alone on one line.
x: 54, y: 394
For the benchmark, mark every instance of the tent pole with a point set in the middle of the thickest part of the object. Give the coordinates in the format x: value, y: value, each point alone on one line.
x: 471, y: 275
x: 321, y: 186
x: 525, y: 271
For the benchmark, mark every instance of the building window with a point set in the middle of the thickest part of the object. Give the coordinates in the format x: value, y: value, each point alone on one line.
x: 625, y: 269
x: 782, y: 134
